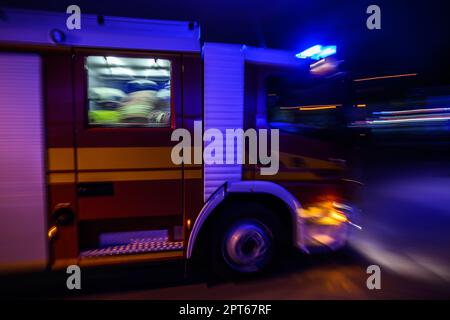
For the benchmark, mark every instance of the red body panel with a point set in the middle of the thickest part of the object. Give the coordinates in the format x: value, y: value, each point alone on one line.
x: 162, y: 195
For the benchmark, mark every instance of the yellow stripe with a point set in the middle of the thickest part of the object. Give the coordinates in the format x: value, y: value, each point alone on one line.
x: 146, y: 158
x: 54, y: 178
x: 138, y: 175
x: 61, y: 159
x: 129, y: 175
x: 57, y: 178
x: 294, y: 161
x: 289, y: 176
x: 124, y: 158
x: 116, y: 159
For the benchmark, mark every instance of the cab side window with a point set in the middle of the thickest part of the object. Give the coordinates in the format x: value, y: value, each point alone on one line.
x: 309, y: 108
x: 129, y: 92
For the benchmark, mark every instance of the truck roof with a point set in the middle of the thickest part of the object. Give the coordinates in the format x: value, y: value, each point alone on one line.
x: 36, y: 27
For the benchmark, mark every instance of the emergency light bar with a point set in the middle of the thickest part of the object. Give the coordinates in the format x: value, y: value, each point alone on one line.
x: 317, y: 52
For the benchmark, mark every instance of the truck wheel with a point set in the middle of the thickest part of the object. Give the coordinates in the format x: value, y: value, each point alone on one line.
x: 248, y: 239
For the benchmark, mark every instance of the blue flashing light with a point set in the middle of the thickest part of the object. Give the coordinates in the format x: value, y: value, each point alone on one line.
x: 327, y: 51
x: 317, y: 52
x: 310, y: 52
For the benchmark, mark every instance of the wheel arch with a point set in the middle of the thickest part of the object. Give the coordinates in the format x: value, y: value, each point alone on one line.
x: 272, y: 194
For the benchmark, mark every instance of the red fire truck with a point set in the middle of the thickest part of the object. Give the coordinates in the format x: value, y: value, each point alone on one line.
x: 86, y: 176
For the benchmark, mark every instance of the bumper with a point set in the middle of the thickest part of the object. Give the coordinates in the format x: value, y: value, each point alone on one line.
x: 325, y: 225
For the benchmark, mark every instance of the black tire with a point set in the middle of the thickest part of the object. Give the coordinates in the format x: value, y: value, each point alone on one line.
x: 248, y: 239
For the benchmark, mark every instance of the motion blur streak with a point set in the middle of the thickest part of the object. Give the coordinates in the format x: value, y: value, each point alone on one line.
x: 316, y: 108
x: 312, y: 107
x: 386, y: 77
x: 413, y: 111
x: 416, y: 119
x: 406, y: 264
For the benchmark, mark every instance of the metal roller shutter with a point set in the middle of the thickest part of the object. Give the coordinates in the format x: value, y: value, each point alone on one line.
x: 23, y: 242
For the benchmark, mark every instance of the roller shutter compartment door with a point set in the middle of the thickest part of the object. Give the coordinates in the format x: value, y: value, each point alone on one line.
x: 23, y: 244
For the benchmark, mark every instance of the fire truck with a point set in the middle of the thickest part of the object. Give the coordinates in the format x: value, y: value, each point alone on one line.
x: 86, y: 176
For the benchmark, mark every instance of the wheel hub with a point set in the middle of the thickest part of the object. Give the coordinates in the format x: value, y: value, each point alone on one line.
x: 246, y: 247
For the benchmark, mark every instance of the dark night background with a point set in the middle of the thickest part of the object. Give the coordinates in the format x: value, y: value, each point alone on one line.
x: 414, y: 35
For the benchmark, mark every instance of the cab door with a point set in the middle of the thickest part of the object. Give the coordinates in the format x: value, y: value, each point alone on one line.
x: 127, y: 106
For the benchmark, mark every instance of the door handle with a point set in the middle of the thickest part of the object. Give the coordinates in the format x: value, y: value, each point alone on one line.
x: 95, y: 189
x: 62, y: 215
